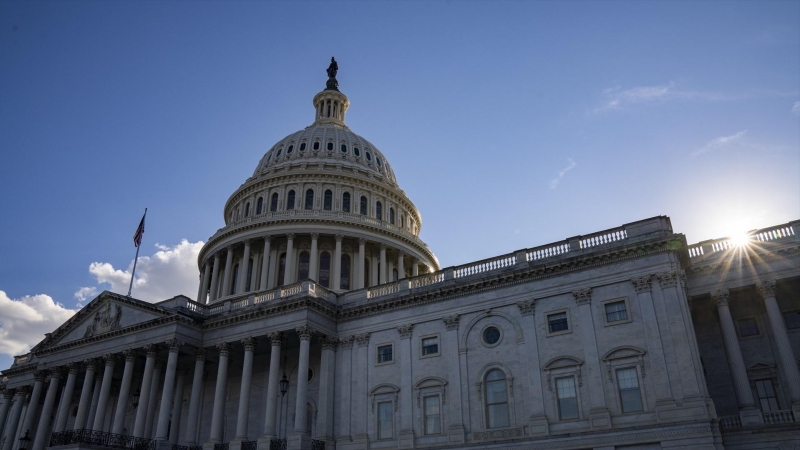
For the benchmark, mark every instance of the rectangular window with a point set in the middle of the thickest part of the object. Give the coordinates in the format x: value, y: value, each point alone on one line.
x: 557, y: 322
x: 615, y: 311
x: 792, y: 319
x: 629, y: 393
x: 748, y: 327
x: 766, y: 395
x: 384, y: 353
x: 433, y: 423
x: 567, y: 398
x: 385, y: 420
x: 430, y: 345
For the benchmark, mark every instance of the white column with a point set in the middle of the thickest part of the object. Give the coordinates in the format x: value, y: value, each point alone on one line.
x: 8, y: 397
x: 152, y: 400
x: 86, y: 394
x: 767, y: 291
x: 66, y: 398
x: 382, y: 274
x: 738, y: 369
x: 194, y: 399
x: 414, y: 267
x: 326, y: 388
x: 405, y: 437
x: 226, y: 279
x: 313, y: 261
x: 305, y: 333
x: 337, y: 263
x: 218, y: 412
x: 98, y: 385
x: 265, y: 263
x: 202, y: 297
x: 33, y: 404
x: 177, y: 405
x: 360, y: 282
x: 288, y: 272
x: 244, y: 393
x: 276, y: 339
x: 244, y: 267
x: 599, y: 417
x: 144, y: 392
x: 401, y: 267
x: 43, y: 429
x: 13, y: 420
x: 214, y: 288
x: 124, y: 392
x: 373, y: 271
x: 162, y: 431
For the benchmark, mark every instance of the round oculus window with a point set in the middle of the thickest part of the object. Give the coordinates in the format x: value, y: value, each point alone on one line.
x: 491, y: 336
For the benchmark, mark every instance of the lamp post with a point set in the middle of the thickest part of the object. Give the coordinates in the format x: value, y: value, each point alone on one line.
x: 284, y: 383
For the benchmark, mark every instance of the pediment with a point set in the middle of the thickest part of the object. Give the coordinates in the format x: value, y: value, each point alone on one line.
x: 561, y: 362
x: 107, y: 313
x: 623, y: 352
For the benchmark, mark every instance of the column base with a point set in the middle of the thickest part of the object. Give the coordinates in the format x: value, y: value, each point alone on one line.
x: 264, y: 442
x: 210, y: 445
x: 456, y: 434
x: 538, y: 426
x: 298, y: 441
x: 405, y: 439
x: 599, y: 419
x: 751, y: 417
x: 235, y: 444
x: 163, y: 445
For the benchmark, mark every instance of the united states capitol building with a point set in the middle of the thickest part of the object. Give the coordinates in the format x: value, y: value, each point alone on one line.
x: 323, y: 321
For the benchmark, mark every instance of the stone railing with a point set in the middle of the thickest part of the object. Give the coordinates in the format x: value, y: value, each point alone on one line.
x: 100, y: 439
x: 485, y: 265
x: 785, y: 232
x: 426, y: 280
x: 240, y: 301
x: 383, y: 289
x: 250, y: 445
x: 604, y: 237
x: 547, y: 251
x: 730, y: 422
x: 221, y: 446
x: 778, y: 417
x: 189, y: 447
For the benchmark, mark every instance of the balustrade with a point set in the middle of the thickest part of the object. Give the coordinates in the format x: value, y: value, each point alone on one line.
x: 548, y: 251
x: 498, y: 262
x: 730, y: 422
x: 277, y: 444
x: 769, y: 234
x: 603, y: 237
x: 250, y: 445
x: 100, y: 439
x: 383, y: 289
x: 778, y: 417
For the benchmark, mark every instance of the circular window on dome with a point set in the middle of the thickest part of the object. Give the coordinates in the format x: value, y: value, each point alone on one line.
x: 316, y: 145
x: 279, y: 153
x: 356, y: 151
x: 369, y: 156
x: 491, y: 336
x: 302, y: 146
x: 290, y: 149
x: 344, y: 148
x: 330, y: 145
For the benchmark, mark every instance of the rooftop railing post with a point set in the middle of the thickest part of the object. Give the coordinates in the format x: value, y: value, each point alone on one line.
x: 449, y: 273
x: 574, y: 243
x: 521, y: 257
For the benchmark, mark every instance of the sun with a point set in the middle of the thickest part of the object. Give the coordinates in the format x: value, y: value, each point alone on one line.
x: 740, y: 239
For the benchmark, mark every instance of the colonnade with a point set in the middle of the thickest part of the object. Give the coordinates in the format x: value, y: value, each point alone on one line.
x: 750, y: 413
x: 337, y: 262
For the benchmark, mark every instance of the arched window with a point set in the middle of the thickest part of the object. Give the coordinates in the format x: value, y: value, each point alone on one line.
x: 309, y: 199
x: 496, y: 399
x: 302, y: 267
x: 260, y: 205
x: 330, y: 146
x: 344, y: 277
x: 281, y: 268
x: 325, y: 269
x: 346, y: 202
x: 363, y: 206
x: 316, y: 145
x: 247, y: 209
x: 249, y: 276
x: 327, y: 205
x: 273, y: 204
x: 378, y: 211
x: 234, y: 280
x: 391, y: 216
x: 290, y: 200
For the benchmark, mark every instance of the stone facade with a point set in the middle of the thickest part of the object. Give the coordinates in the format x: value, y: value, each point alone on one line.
x: 626, y: 338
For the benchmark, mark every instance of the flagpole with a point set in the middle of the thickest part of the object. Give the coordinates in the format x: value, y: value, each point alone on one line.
x: 135, y: 259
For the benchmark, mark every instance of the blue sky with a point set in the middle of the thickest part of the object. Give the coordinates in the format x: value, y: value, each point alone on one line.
x: 509, y: 124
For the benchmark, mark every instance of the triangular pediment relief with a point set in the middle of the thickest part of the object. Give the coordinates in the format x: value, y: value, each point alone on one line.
x: 107, y: 313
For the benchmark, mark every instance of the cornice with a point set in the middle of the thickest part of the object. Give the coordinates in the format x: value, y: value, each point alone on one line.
x: 757, y: 260
x: 323, y: 307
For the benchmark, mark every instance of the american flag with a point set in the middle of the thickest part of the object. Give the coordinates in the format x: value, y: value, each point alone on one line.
x: 137, y: 237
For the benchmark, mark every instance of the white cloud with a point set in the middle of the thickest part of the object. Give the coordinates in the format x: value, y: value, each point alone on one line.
x: 554, y: 182
x: 719, y: 142
x: 796, y: 108
x: 24, y: 321
x: 168, y: 272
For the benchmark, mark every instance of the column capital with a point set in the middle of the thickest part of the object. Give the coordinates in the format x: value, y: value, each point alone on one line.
x: 72, y: 368
x: 275, y: 338
x: 129, y: 354
x: 451, y: 321
x: 200, y: 354
x: 404, y: 330
x: 346, y: 342
x: 583, y: 296
x: 174, y: 345
x: 362, y: 241
x: 110, y: 359
x: 290, y: 236
x: 642, y: 284
x: 314, y: 236
x: 249, y: 344
x: 667, y: 279
x: 721, y: 297
x: 339, y: 237
x: 305, y: 332
x: 90, y: 364
x: 8, y: 393
x: 267, y: 238
x: 224, y: 348
x: 22, y: 391
x: 230, y: 247
x: 527, y: 307
x: 152, y: 350
x: 55, y: 373
x: 362, y: 339
x: 382, y: 246
x: 766, y: 288
x: 247, y: 242
x: 328, y: 342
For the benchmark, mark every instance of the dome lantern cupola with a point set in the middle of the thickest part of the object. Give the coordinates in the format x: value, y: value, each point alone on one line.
x: 330, y: 104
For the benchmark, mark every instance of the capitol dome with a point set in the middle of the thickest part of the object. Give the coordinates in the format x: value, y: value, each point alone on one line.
x: 323, y: 204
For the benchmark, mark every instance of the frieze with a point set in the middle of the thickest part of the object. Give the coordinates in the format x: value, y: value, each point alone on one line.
x: 104, y: 320
x: 511, y: 433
